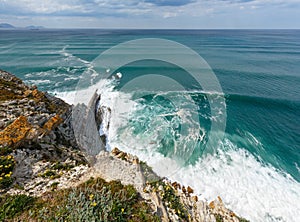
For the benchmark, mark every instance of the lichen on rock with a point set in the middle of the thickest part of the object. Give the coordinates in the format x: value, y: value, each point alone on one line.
x: 16, y: 132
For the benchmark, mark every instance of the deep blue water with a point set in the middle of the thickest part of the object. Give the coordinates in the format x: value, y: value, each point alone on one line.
x: 259, y: 71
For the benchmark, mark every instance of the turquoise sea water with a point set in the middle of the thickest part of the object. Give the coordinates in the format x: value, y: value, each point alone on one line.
x: 259, y: 73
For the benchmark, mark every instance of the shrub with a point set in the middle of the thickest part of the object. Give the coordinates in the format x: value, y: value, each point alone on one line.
x: 94, y: 200
x: 7, y: 164
x: 12, y: 206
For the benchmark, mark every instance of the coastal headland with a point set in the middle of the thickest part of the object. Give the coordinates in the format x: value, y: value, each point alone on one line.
x: 48, y: 173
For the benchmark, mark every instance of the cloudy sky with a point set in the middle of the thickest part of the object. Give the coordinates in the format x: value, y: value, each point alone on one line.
x: 152, y: 13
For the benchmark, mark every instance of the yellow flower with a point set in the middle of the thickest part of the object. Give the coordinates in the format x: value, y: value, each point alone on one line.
x: 7, y: 175
x: 1, y: 178
x: 91, y: 196
x: 122, y: 210
x: 9, y: 157
x: 94, y: 204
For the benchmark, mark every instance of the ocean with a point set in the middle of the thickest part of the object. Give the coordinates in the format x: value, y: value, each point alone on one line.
x: 254, y: 166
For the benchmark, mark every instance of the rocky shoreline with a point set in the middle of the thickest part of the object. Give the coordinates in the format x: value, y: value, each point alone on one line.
x: 42, y: 155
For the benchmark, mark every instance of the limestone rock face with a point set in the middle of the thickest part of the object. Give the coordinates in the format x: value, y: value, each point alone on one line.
x: 29, y: 116
x: 35, y: 126
x: 86, y: 129
x: 219, y: 210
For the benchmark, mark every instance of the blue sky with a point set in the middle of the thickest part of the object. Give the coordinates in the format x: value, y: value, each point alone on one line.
x: 194, y: 14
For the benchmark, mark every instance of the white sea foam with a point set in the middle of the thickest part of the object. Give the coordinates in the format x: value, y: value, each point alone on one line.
x: 38, y: 82
x: 253, y: 190
x: 250, y: 188
x: 68, y: 96
x: 69, y: 56
x: 82, y: 95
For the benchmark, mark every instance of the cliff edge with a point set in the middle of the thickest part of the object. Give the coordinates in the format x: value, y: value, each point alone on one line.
x: 46, y: 175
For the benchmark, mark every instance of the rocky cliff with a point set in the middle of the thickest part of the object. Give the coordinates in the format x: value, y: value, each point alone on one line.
x: 46, y: 173
x: 35, y: 127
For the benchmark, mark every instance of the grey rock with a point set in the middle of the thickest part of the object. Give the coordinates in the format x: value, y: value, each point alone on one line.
x: 85, y: 128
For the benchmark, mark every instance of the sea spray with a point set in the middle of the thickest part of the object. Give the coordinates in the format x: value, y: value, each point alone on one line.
x: 248, y: 185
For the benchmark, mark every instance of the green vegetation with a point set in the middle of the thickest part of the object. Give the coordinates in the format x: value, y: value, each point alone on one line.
x: 94, y: 200
x: 49, y: 174
x: 242, y: 219
x: 54, y: 185
x: 62, y: 166
x: 7, y: 165
x: 219, y: 218
x: 148, y: 173
x: 5, y: 151
x: 55, y: 170
x: 12, y: 206
x: 171, y: 200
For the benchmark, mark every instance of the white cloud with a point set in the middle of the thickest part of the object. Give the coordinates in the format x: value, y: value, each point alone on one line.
x: 178, y: 12
x: 41, y: 7
x: 169, y: 14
